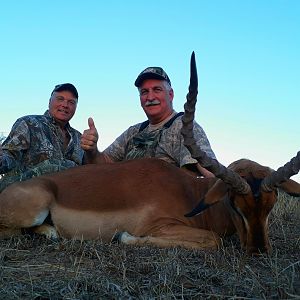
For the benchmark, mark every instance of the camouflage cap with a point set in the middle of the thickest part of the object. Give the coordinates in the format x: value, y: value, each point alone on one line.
x: 66, y: 87
x: 152, y: 73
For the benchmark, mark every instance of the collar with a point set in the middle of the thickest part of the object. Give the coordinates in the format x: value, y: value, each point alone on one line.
x: 53, y: 121
x: 163, y: 122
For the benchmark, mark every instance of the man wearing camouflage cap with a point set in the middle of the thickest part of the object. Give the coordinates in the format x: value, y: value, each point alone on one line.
x: 160, y: 135
x: 41, y: 144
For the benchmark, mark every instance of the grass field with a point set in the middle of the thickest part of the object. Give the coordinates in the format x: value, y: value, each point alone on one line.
x: 33, y: 267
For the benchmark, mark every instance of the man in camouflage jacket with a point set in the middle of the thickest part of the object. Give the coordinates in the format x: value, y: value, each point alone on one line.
x: 41, y: 144
x: 160, y: 136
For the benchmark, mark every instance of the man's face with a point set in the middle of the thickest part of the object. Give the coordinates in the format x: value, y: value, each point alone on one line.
x: 156, y: 99
x: 62, y: 106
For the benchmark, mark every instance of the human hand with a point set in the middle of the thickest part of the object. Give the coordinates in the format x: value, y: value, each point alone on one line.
x: 205, y: 172
x: 89, y: 137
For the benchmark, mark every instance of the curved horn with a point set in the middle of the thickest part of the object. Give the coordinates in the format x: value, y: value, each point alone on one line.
x: 282, y: 174
x: 228, y: 176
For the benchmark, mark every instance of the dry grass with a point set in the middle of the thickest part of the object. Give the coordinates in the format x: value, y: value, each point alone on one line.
x: 37, y: 268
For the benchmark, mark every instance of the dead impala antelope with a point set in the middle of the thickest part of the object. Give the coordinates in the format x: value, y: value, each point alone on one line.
x: 145, y: 201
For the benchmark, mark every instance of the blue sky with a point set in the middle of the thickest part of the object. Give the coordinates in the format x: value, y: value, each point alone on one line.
x: 247, y: 56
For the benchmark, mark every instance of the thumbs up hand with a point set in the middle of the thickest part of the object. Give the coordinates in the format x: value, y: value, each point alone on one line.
x: 89, y: 138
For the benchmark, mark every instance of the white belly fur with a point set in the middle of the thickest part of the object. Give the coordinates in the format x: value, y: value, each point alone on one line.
x: 91, y: 225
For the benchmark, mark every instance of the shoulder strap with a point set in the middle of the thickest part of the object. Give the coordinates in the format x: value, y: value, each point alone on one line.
x: 169, y: 123
x: 144, y: 125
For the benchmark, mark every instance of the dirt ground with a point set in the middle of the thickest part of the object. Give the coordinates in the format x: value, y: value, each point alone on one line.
x: 33, y: 267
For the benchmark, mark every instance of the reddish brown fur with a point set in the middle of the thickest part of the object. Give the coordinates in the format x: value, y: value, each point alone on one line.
x: 96, y: 201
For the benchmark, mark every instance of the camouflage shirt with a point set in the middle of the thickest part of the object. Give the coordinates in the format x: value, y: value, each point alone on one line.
x: 162, y: 142
x: 35, y: 146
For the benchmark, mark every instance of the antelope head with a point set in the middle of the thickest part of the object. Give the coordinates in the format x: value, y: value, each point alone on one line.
x: 249, y: 190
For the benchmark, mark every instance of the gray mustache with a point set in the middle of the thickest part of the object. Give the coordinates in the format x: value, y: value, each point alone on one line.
x: 153, y: 102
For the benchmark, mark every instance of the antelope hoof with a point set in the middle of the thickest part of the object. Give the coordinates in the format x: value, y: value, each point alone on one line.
x: 117, y: 238
x: 46, y: 230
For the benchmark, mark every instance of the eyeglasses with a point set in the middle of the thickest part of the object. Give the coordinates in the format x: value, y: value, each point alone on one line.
x: 61, y: 99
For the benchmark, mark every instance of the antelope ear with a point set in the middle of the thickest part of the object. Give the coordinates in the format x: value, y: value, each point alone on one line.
x: 291, y: 187
x: 216, y: 193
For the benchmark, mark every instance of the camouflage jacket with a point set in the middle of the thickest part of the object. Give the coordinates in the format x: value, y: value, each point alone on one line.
x: 162, y: 142
x: 35, y: 147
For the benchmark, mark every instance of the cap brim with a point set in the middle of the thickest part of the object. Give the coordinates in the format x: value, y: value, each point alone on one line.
x: 67, y: 87
x: 145, y: 76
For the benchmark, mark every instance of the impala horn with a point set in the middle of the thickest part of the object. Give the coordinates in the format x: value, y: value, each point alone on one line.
x: 282, y: 174
x: 237, y: 183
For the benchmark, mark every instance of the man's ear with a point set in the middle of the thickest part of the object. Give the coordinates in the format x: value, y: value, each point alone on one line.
x: 171, y: 94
